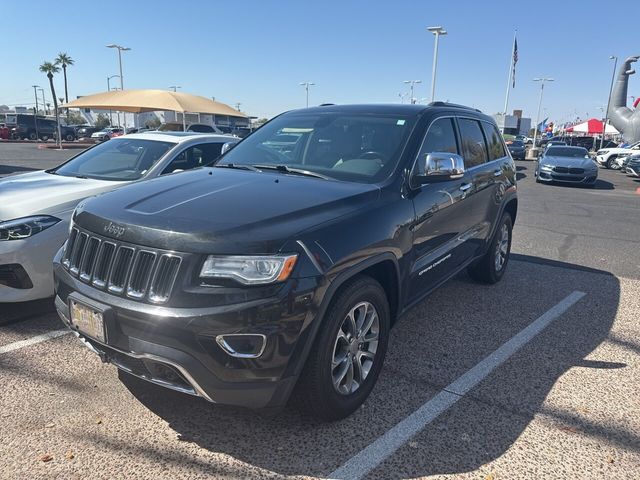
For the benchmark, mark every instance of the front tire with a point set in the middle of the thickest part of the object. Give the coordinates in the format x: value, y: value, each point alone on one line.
x: 611, y: 162
x: 491, y: 267
x: 347, y: 356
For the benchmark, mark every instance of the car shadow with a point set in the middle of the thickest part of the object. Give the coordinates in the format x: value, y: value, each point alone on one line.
x: 418, y: 365
x: 10, y: 169
x: 20, y: 311
x: 599, y: 185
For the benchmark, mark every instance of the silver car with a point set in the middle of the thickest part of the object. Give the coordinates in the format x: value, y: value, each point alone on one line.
x: 35, y: 208
x: 564, y: 164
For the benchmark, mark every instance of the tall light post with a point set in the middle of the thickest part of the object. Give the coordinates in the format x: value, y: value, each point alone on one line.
x: 306, y: 86
x: 108, y: 90
x: 175, y: 87
x: 402, y: 95
x: 437, y: 31
x: 411, y: 84
x: 44, y: 101
x: 35, y: 94
x: 120, y: 50
x: 606, y: 114
x: 238, y: 106
x: 542, y: 80
x: 35, y: 113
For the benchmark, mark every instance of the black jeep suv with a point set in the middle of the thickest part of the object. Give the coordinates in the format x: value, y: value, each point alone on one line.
x: 280, y: 269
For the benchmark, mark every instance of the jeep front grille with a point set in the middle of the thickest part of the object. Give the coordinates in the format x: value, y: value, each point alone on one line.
x: 122, y: 269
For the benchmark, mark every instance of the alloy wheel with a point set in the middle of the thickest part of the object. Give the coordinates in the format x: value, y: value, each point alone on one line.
x: 502, y: 248
x: 355, y: 348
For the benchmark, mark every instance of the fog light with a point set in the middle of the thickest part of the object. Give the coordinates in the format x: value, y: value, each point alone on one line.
x: 243, y: 345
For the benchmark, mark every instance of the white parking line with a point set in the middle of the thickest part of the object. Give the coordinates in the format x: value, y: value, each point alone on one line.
x: 373, y: 455
x: 33, y: 340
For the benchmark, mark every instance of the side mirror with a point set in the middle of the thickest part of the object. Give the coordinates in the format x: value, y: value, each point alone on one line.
x: 226, y: 147
x: 439, y: 167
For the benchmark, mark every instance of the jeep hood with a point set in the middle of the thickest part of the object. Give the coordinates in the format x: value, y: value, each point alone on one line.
x: 220, y: 210
x: 45, y: 193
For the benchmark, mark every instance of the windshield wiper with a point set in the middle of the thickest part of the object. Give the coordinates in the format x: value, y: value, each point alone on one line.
x: 297, y: 171
x: 235, y: 165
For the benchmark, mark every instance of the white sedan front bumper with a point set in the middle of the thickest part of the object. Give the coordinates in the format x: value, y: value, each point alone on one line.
x: 35, y: 256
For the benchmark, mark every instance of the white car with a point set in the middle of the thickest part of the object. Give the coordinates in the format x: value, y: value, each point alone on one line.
x: 607, y: 157
x: 35, y: 207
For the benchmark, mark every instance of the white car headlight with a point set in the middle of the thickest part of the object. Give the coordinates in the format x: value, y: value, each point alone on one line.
x: 249, y: 270
x: 25, y: 227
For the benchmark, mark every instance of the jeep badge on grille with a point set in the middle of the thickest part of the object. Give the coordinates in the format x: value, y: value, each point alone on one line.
x: 114, y: 229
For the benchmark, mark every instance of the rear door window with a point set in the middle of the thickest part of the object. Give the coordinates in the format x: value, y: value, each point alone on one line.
x: 494, y: 142
x: 474, y: 148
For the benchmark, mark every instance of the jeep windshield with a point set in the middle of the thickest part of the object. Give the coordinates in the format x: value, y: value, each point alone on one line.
x: 362, y: 148
x: 121, y: 159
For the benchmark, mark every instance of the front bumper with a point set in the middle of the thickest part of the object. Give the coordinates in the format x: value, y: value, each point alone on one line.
x: 633, y: 170
x: 587, y: 178
x: 33, y: 256
x: 177, y: 347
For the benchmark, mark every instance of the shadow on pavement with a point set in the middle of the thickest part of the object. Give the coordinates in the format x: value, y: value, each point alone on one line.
x: 15, y: 312
x: 8, y: 169
x: 430, y: 346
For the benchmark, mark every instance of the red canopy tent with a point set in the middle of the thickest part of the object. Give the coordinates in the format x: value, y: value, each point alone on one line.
x: 591, y: 127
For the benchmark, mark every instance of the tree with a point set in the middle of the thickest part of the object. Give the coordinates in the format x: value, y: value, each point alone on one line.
x: 75, y: 118
x: 102, y: 121
x: 64, y: 61
x: 152, y: 122
x: 51, y: 68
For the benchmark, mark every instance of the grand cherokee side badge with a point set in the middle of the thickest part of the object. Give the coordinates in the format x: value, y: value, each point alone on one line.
x: 114, y: 229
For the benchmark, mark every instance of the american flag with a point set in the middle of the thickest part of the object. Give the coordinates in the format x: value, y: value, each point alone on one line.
x: 515, y: 60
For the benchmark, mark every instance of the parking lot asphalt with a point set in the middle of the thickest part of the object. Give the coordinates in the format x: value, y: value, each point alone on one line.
x: 504, y: 381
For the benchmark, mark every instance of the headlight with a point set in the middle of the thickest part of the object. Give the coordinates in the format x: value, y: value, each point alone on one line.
x: 249, y: 270
x: 602, y: 152
x: 25, y: 227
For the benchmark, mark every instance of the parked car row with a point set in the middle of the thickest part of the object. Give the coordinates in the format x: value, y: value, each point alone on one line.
x: 30, y: 127
x: 279, y: 271
x: 613, y: 157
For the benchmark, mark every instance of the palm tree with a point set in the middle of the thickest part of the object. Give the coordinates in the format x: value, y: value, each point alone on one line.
x: 64, y: 60
x: 51, y: 68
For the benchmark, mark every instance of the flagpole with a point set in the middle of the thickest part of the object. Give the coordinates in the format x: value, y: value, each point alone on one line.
x: 506, y: 100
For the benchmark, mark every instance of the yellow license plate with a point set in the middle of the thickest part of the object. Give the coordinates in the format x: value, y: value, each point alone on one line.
x: 87, y: 320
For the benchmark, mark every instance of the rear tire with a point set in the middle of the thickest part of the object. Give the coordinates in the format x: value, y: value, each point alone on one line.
x: 33, y: 136
x: 491, y: 267
x: 69, y: 138
x: 348, y: 353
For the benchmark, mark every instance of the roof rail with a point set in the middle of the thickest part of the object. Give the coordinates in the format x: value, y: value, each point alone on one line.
x: 452, y: 105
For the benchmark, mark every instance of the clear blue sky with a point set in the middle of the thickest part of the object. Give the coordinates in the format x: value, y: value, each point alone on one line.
x: 257, y: 52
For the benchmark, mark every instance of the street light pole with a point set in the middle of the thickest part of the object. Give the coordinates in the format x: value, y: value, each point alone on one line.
x: 411, y: 84
x: 535, y: 130
x: 306, y: 86
x: 606, y: 114
x: 175, y: 87
x: 120, y: 50
x: 35, y: 113
x: 437, y: 31
x: 108, y: 90
x: 44, y: 101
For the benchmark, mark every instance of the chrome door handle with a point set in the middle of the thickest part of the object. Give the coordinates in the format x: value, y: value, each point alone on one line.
x: 497, y: 173
x: 465, y: 186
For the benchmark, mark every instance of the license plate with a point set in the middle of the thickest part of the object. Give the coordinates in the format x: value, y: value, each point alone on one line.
x: 87, y: 320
